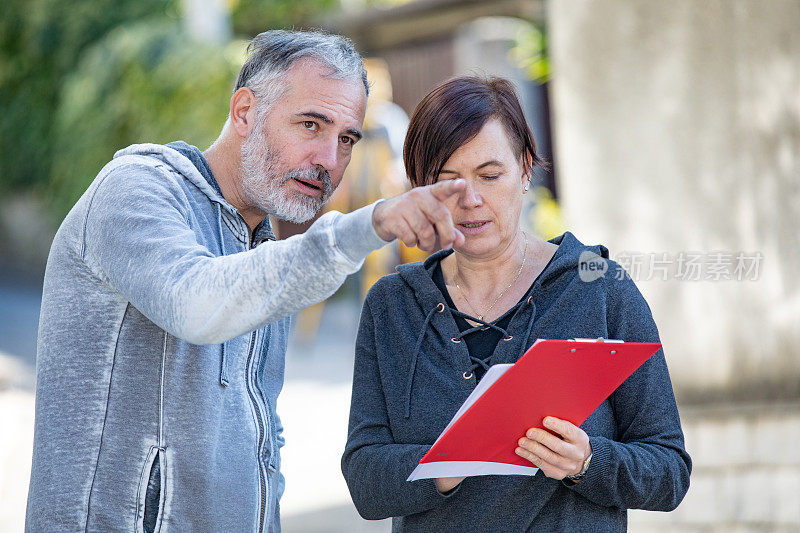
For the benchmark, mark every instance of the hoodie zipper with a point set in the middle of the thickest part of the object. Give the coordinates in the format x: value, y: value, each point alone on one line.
x: 259, y: 418
x: 261, y: 477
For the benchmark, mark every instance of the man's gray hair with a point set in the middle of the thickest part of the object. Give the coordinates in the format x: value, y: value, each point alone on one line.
x: 272, y: 54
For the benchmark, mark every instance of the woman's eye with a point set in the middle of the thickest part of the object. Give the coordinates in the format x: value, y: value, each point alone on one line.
x: 490, y: 177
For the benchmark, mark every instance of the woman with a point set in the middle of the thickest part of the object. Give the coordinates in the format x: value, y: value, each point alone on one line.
x: 429, y: 332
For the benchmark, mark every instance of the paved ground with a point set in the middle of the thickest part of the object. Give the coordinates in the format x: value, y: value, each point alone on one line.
x: 313, y: 406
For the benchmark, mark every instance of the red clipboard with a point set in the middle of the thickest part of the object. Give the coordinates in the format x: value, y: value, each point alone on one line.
x: 567, y: 379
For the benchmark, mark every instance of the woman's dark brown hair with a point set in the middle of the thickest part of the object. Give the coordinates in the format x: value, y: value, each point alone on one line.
x: 452, y: 114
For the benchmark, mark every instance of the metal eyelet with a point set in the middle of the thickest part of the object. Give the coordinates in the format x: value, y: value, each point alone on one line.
x: 572, y: 350
x: 467, y: 376
x: 455, y: 340
x: 439, y: 307
x: 530, y: 300
x: 613, y: 352
x: 508, y: 338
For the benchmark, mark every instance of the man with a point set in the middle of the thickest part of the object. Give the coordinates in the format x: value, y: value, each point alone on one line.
x: 166, y: 301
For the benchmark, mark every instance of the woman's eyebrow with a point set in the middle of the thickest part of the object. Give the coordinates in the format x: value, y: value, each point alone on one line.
x: 489, y: 163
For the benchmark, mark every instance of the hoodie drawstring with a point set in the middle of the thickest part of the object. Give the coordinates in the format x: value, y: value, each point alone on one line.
x: 483, y: 325
x: 476, y: 361
x: 438, y: 309
x: 527, y: 336
x: 223, y: 363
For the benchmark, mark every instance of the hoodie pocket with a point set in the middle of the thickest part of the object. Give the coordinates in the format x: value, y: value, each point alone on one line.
x: 151, y: 492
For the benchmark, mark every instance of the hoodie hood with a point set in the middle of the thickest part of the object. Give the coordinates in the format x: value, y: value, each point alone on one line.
x: 419, y: 278
x: 181, y: 164
x: 189, y: 161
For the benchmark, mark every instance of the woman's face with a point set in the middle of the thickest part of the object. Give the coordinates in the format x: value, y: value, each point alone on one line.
x: 488, y: 209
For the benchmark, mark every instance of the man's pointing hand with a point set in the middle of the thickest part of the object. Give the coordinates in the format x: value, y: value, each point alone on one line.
x: 419, y: 217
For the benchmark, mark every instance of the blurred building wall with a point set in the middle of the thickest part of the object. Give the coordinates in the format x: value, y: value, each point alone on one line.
x: 677, y: 129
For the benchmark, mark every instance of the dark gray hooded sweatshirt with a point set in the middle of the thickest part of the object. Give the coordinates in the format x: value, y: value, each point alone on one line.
x: 411, y: 375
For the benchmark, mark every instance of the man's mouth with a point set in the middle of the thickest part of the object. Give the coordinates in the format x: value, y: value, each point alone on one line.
x: 310, y: 187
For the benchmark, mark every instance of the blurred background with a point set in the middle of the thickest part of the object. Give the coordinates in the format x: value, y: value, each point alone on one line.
x: 673, y: 130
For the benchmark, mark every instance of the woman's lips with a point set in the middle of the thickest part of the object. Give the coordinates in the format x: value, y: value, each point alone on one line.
x: 471, y: 227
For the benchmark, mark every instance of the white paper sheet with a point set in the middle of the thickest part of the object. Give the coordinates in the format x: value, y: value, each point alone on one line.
x: 471, y: 468
x: 468, y: 468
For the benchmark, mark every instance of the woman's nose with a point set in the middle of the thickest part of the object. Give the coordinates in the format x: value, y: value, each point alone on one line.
x: 469, y: 196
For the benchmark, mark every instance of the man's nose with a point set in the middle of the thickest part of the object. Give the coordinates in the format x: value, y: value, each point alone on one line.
x: 326, y: 154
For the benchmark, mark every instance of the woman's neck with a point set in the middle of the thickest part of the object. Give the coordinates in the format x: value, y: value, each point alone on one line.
x: 486, y: 276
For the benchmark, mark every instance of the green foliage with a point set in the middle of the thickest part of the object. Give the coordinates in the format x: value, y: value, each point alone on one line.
x: 147, y: 82
x: 251, y: 17
x: 545, y: 217
x: 40, y: 42
x: 530, y: 54
x: 80, y: 79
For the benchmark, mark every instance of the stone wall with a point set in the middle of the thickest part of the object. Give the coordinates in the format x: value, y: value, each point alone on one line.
x: 746, y: 472
x: 677, y: 129
x: 677, y: 135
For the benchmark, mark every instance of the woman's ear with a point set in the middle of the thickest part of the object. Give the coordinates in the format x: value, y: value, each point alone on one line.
x: 526, y: 173
x: 527, y: 161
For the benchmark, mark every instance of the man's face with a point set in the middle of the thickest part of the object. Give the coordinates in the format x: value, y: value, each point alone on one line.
x: 295, y: 155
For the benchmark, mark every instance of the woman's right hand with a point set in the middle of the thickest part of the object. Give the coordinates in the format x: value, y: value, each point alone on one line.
x: 446, y: 484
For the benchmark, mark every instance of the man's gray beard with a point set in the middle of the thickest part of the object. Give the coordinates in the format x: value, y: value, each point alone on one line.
x: 266, y: 189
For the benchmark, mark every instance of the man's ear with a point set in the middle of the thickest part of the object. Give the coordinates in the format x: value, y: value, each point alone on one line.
x: 243, y: 111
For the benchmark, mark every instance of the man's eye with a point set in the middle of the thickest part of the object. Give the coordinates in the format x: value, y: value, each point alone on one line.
x: 309, y: 124
x: 346, y: 140
x: 490, y: 177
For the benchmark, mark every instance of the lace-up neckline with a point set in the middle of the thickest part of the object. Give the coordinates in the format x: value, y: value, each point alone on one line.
x: 481, y: 338
x: 486, y: 347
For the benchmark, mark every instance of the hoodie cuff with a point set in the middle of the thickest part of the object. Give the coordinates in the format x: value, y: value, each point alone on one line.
x: 355, y: 235
x: 598, y: 468
x: 450, y: 492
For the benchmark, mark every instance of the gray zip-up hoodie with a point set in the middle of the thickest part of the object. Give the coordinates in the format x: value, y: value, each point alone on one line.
x: 161, y: 342
x: 413, y: 372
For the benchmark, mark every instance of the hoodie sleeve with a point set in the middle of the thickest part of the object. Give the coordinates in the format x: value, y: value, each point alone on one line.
x: 137, y: 238
x: 374, y: 466
x: 646, y: 466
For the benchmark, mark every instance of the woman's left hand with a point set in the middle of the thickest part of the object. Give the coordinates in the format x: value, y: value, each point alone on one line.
x: 556, y: 457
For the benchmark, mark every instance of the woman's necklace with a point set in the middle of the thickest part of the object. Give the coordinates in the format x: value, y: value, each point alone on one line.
x: 480, y: 317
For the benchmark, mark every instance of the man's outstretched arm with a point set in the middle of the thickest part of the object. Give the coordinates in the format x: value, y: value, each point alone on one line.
x: 139, y: 240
